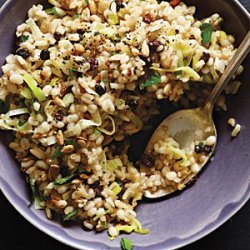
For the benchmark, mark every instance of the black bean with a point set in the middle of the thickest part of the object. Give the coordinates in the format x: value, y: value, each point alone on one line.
x: 45, y: 54
x: 147, y: 160
x: 133, y: 104
x: 99, y: 89
x: 24, y: 53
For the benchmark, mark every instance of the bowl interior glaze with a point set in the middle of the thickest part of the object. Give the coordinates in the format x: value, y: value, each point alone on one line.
x: 220, y: 191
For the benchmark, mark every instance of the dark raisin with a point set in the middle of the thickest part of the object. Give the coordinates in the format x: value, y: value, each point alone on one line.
x: 45, y: 54
x: 59, y: 115
x: 117, y: 147
x: 155, y: 43
x: 95, y: 185
x: 207, y: 149
x: 147, y: 160
x: 93, y: 63
x: 119, y: 4
x: 99, y: 89
x: 147, y: 18
x: 58, y: 36
x: 64, y: 170
x: 198, y: 149
x: 80, y: 31
x: 24, y: 53
x: 205, y: 57
x: 133, y: 104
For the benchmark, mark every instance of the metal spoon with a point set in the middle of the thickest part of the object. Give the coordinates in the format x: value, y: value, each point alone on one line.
x: 187, y: 126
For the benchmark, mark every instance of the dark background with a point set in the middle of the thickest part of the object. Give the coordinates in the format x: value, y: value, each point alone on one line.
x: 18, y: 234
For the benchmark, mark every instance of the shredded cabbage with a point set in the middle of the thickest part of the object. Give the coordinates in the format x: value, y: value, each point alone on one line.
x: 25, y: 92
x: 15, y: 112
x: 179, y: 153
x: 135, y: 226
x: 14, y: 126
x: 115, y: 188
x: 106, y: 132
x: 68, y: 99
x: 84, y: 123
x: 189, y: 72
x: 36, y: 32
x: 113, y: 164
x: 34, y: 88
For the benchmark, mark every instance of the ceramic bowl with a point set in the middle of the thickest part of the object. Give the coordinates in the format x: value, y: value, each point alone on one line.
x: 220, y: 191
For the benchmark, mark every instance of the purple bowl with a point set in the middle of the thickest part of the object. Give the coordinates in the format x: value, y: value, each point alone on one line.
x: 220, y: 191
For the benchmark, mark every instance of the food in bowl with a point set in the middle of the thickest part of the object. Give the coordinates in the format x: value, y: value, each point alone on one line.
x: 85, y: 77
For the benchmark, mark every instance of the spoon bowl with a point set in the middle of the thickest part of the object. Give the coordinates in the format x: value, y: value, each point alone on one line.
x: 185, y: 127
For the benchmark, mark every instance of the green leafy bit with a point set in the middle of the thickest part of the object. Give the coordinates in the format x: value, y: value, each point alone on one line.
x: 126, y: 244
x: 153, y: 79
x: 70, y: 216
x: 37, y: 91
x: 5, y: 105
x: 24, y: 38
x: 87, y: 1
x: 72, y: 71
x: 76, y: 16
x: 37, y: 196
x: 206, y: 33
x: 57, y: 153
x: 202, y: 144
x: 52, y: 11
x: 178, y: 73
x: 67, y: 179
x: 115, y: 188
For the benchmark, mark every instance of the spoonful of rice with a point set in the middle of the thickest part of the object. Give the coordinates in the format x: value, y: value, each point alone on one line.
x: 185, y: 141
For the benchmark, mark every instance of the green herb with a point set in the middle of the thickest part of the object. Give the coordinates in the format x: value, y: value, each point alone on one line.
x: 104, y: 224
x: 37, y: 196
x: 114, y: 53
x: 5, y: 105
x: 206, y: 33
x: 70, y: 216
x: 87, y: 1
x: 52, y: 11
x: 97, y: 131
x: 76, y: 16
x: 67, y: 179
x: 126, y: 244
x: 71, y: 73
x: 178, y: 73
x: 64, y: 180
x: 24, y: 38
x: 71, y: 142
x: 57, y: 153
x: 202, y: 144
x: 153, y: 79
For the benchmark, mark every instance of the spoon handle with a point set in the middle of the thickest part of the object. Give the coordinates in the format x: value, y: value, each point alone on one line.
x: 233, y: 65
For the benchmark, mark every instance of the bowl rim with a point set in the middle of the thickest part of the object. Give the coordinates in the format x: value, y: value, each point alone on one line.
x: 230, y: 211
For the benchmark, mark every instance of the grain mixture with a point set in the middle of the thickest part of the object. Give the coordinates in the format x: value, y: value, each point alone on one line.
x: 86, y: 75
